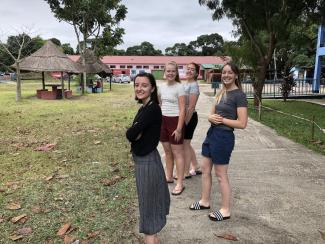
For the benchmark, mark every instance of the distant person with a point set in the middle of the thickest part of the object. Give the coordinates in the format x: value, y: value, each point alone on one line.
x: 228, y: 112
x: 153, y: 193
x: 172, y: 100
x: 98, y: 85
x: 192, y: 92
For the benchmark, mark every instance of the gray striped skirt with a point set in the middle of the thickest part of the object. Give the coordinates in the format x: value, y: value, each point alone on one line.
x: 153, y: 193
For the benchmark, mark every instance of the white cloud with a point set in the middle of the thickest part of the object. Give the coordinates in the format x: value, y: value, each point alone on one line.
x: 163, y: 23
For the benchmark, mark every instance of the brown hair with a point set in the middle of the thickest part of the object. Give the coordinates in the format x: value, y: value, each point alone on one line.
x: 197, y: 68
x: 223, y: 91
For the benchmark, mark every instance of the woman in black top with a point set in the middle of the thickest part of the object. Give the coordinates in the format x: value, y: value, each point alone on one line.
x: 153, y: 193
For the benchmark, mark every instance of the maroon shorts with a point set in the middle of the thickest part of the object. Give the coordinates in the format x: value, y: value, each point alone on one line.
x: 168, y: 126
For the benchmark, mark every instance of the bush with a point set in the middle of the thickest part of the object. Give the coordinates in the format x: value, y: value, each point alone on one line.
x: 287, y: 85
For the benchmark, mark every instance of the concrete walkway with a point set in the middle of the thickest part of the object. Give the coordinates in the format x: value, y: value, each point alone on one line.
x: 278, y: 191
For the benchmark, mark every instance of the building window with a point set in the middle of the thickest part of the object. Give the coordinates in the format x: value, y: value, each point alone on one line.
x: 139, y: 66
x: 122, y: 66
x: 112, y: 66
x: 129, y: 66
x: 156, y: 66
x: 180, y: 67
x: 162, y: 66
x: 145, y: 66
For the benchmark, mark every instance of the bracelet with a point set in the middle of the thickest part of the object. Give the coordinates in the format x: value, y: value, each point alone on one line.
x: 178, y: 131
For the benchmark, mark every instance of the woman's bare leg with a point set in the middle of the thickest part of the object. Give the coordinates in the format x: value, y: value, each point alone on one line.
x: 169, y: 160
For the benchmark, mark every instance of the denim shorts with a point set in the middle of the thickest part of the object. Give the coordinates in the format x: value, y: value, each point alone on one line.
x: 218, y: 145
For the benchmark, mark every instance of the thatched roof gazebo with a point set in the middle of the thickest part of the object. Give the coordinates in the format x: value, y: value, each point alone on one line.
x: 93, y: 65
x: 49, y: 58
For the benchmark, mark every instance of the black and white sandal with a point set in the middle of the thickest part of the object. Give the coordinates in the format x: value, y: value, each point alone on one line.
x: 217, y: 216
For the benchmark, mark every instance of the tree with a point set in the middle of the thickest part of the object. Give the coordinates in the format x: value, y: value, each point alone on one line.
x: 263, y: 24
x: 209, y: 45
x: 94, y: 21
x: 16, y: 48
x: 144, y: 49
x: 180, y: 49
x: 56, y: 41
x: 67, y: 49
x: 300, y: 48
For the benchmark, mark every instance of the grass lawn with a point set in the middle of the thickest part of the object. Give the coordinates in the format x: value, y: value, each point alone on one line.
x: 297, y: 130
x: 86, y: 180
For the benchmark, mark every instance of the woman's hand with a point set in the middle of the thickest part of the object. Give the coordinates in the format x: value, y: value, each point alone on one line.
x: 177, y: 134
x: 215, y: 119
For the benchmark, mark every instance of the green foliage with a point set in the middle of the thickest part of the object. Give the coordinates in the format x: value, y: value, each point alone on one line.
x: 264, y: 24
x: 293, y: 128
x: 144, y: 49
x: 209, y: 45
x: 56, y: 41
x: 20, y: 45
x: 204, y: 45
x: 287, y: 85
x: 95, y: 20
x: 67, y: 49
x: 180, y: 49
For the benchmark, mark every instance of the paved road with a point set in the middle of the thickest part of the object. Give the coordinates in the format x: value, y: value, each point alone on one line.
x: 278, y: 191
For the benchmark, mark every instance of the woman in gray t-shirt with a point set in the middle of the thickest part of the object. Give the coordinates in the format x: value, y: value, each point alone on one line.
x: 192, y: 93
x: 229, y: 112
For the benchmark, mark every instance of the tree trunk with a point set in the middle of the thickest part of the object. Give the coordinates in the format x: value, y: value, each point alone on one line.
x: 84, y: 80
x: 259, y: 83
x: 18, y: 85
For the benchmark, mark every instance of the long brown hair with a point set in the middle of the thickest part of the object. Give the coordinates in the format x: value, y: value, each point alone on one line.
x: 197, y: 69
x: 223, y: 91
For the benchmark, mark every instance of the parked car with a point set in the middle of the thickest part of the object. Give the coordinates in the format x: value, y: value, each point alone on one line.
x: 121, y: 78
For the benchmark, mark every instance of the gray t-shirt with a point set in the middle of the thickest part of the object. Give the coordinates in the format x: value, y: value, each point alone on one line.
x: 228, y: 105
x: 190, y: 89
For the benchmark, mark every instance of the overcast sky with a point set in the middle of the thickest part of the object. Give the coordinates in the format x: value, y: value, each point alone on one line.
x: 160, y: 22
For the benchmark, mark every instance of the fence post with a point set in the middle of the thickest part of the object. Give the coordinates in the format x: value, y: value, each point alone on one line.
x: 313, y: 128
x: 259, y: 111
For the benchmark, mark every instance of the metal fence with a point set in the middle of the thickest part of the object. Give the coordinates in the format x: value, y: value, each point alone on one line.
x: 271, y: 88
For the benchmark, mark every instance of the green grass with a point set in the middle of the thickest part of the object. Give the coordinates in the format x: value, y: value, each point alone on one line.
x: 89, y: 132
x: 295, y: 129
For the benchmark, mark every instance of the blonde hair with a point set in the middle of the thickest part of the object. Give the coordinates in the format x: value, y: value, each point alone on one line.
x: 223, y: 91
x: 173, y: 63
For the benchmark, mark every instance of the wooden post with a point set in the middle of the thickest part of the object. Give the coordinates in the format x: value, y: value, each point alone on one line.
x: 69, y: 81
x: 259, y: 111
x: 313, y: 128
x: 43, y: 80
x: 62, y: 84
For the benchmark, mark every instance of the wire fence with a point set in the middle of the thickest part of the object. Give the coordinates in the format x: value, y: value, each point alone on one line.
x: 313, y: 124
x: 271, y: 89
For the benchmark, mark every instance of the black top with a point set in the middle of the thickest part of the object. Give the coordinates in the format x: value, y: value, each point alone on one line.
x: 146, y: 123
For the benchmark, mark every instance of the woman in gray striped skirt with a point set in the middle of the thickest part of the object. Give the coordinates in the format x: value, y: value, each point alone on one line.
x: 153, y: 193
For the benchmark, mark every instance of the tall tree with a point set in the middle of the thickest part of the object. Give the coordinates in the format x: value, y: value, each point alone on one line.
x: 67, y: 49
x: 180, y: 49
x: 56, y: 41
x: 264, y: 24
x: 15, y: 49
x: 92, y: 20
x: 209, y: 45
x: 144, y: 49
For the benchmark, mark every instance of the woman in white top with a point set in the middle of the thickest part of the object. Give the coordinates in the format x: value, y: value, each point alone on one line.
x: 172, y: 100
x: 192, y: 93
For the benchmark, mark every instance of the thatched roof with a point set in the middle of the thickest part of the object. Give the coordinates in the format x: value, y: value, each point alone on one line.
x: 49, y: 58
x: 93, y: 65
